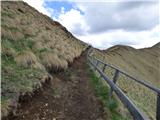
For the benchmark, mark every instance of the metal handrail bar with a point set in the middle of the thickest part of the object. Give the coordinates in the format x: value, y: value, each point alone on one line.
x: 148, y: 85
x: 135, y: 112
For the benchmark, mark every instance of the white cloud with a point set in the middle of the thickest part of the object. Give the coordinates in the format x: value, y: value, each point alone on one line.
x: 133, y: 16
x: 73, y: 21
x: 139, y: 39
x: 95, y: 17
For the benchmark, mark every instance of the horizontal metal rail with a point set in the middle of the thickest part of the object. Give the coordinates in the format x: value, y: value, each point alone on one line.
x: 137, y: 115
x: 155, y: 89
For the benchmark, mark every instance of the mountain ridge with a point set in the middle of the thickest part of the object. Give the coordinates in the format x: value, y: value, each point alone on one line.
x: 141, y: 62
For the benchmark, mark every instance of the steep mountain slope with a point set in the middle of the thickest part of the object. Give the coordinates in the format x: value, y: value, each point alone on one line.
x: 141, y: 63
x: 33, y: 45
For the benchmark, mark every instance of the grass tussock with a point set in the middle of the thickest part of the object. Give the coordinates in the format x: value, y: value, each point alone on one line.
x: 6, y: 33
x: 26, y: 59
x: 52, y: 62
x: 16, y: 81
x: 32, y: 44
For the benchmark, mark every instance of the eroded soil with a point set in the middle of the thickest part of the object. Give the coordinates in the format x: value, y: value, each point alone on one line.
x: 70, y: 96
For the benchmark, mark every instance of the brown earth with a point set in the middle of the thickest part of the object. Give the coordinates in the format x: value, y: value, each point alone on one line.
x: 70, y: 96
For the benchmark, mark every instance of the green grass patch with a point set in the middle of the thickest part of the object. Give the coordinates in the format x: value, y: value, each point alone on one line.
x: 29, y: 43
x: 16, y: 80
x: 45, y: 50
x: 102, y: 92
x: 19, y: 45
x: 68, y: 73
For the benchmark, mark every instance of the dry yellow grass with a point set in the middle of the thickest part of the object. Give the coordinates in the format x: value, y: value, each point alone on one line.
x: 38, y: 45
x: 140, y: 64
x: 45, y: 32
x: 32, y: 44
x: 52, y: 62
x: 6, y: 33
x: 143, y: 63
x: 5, y: 107
x: 142, y: 97
x: 26, y: 59
x: 29, y: 60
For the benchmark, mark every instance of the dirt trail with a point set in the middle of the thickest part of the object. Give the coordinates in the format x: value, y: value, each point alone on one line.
x: 70, y: 96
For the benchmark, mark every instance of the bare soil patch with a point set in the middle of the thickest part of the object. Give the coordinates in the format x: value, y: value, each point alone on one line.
x: 69, y: 96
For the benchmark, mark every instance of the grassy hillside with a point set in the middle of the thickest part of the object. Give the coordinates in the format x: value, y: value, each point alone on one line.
x: 32, y: 46
x: 143, y: 64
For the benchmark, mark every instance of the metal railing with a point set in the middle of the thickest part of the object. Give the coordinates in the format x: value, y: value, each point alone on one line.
x: 135, y: 112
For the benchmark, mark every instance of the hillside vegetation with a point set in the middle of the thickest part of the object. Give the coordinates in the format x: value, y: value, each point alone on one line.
x: 33, y: 45
x: 140, y: 63
x: 143, y: 64
x: 34, y: 48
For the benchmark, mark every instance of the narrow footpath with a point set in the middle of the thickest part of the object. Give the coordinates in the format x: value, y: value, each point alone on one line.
x: 69, y: 96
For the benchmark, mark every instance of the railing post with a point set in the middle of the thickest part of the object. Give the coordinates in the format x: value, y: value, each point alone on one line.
x: 104, y: 67
x: 97, y: 63
x: 94, y: 60
x: 158, y: 107
x: 91, y: 58
x: 115, y: 78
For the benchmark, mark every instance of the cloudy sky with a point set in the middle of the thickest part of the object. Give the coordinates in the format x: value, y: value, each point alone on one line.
x: 104, y: 23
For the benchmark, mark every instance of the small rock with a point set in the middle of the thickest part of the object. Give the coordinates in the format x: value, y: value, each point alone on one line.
x: 46, y: 104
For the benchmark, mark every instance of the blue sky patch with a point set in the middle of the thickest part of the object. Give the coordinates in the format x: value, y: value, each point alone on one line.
x: 57, y: 6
